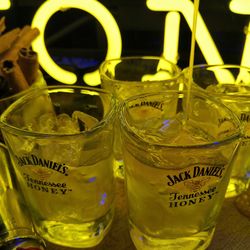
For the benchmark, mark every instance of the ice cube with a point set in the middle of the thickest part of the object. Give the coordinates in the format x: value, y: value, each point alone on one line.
x: 159, y: 130
x: 65, y: 124
x: 190, y: 135
x: 47, y: 123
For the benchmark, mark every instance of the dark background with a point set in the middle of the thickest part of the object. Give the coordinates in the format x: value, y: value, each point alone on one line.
x: 77, y: 41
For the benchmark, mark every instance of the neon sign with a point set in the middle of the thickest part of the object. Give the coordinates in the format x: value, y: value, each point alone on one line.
x: 174, y: 9
x: 243, y: 7
x: 5, y: 4
x: 93, y: 7
x: 203, y: 37
x: 240, y: 6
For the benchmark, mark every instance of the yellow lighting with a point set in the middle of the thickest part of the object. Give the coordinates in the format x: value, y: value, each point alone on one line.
x: 159, y: 76
x: 243, y: 77
x: 245, y: 61
x: 240, y: 6
x: 243, y: 7
x: 5, y: 4
x: 222, y: 75
x: 203, y: 37
x: 93, y: 7
x: 171, y: 36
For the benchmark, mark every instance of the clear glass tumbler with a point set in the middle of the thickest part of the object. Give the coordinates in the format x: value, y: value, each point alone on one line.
x: 178, y: 160
x: 129, y: 76
x: 61, y: 141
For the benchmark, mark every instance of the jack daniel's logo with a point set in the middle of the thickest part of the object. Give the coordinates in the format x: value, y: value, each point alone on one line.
x: 197, y: 171
x: 245, y: 117
x: 154, y: 104
x: 36, y: 161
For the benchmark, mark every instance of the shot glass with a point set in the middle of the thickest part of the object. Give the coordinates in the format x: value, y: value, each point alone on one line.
x: 231, y: 85
x: 129, y: 76
x: 60, y: 139
x: 178, y: 147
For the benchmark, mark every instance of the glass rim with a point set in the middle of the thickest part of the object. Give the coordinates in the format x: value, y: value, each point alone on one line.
x: 126, y: 125
x: 35, y: 92
x: 127, y: 58
x: 222, y: 66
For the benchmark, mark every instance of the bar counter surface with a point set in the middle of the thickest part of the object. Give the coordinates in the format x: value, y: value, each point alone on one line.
x: 232, y: 230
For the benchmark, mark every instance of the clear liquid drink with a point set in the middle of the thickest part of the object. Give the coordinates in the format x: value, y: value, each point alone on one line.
x: 231, y: 85
x: 177, y: 169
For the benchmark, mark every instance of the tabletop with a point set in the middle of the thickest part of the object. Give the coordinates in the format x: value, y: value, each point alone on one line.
x: 232, y: 230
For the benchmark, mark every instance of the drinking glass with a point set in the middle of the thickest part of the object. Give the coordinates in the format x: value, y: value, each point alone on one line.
x: 16, y: 229
x: 178, y: 147
x: 60, y: 139
x: 231, y: 85
x: 129, y: 76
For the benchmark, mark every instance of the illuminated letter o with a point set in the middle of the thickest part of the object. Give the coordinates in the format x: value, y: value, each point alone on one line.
x: 5, y: 5
x: 93, y: 7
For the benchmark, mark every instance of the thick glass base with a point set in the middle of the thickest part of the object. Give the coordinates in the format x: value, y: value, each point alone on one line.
x: 77, y: 235
x: 197, y: 241
x: 23, y: 243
